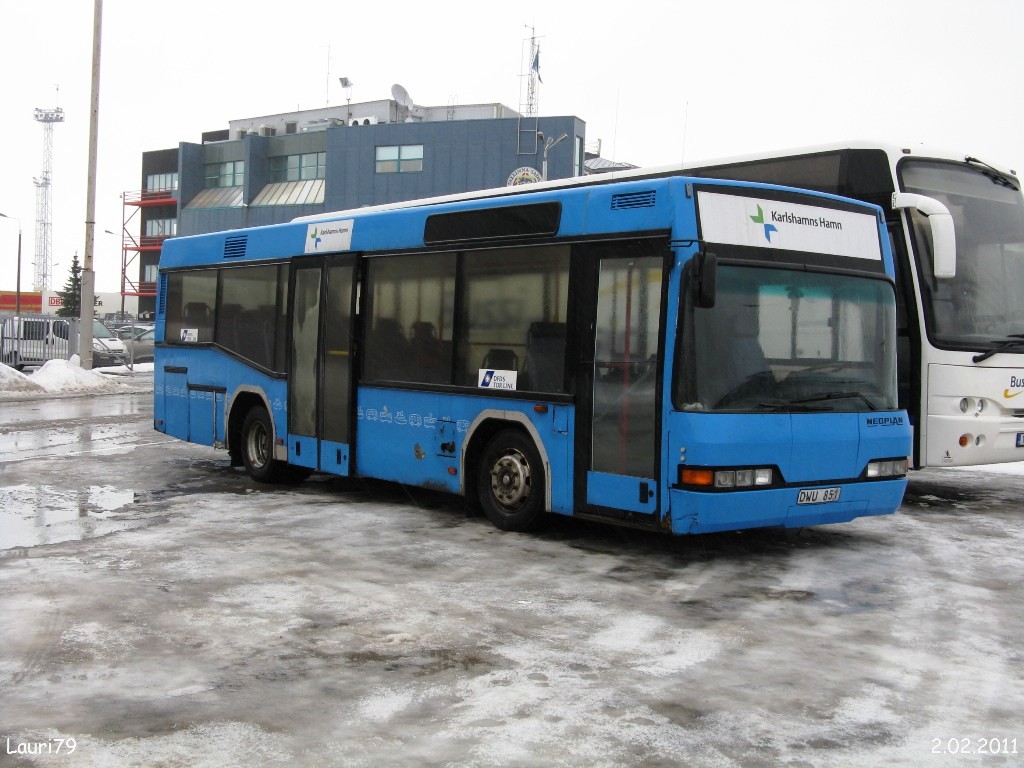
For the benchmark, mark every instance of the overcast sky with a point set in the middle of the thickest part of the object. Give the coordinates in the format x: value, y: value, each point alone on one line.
x: 656, y: 82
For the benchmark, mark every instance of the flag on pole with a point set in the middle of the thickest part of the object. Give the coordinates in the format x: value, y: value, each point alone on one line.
x: 535, y: 66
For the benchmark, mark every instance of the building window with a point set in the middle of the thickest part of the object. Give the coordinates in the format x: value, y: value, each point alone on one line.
x: 291, y: 127
x: 162, y: 181
x: 407, y: 158
x: 229, y: 174
x: 161, y: 228
x: 298, y: 167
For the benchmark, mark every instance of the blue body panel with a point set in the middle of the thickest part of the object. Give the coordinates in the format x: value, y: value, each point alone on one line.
x: 709, y: 512
x: 808, y: 449
x: 186, y: 405
x: 418, y: 438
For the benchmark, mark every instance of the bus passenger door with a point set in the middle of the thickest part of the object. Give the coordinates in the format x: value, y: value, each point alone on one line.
x: 320, y: 366
x: 617, y: 441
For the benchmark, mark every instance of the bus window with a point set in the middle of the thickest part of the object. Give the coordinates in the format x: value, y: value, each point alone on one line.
x: 515, y: 300
x: 191, y: 298
x: 247, y: 317
x: 805, y: 338
x: 409, y: 335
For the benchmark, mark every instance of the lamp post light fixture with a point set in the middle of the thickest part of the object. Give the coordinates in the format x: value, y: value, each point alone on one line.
x: 548, y: 144
x: 347, y: 85
x: 17, y: 288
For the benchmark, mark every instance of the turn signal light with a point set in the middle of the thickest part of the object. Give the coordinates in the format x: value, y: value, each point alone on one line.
x: 689, y: 476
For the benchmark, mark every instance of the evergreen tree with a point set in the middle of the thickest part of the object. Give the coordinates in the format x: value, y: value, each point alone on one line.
x: 71, y: 296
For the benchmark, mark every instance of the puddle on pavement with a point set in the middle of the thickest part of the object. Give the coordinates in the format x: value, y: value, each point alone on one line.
x: 32, y: 516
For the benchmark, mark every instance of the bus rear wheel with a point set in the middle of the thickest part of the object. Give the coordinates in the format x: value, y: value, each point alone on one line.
x: 510, y: 482
x: 258, y: 451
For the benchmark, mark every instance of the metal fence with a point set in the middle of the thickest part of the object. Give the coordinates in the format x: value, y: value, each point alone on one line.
x: 31, y: 341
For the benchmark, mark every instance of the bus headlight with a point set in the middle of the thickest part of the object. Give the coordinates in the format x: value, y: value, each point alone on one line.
x: 968, y: 404
x: 887, y: 468
x: 726, y: 479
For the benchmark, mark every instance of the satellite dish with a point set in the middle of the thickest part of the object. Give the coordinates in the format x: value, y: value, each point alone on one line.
x: 399, y: 94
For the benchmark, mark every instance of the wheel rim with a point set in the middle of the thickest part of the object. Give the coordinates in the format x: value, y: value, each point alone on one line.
x: 510, y: 480
x: 257, y: 445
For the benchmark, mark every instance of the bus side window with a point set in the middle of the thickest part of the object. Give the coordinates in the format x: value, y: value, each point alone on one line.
x: 431, y: 358
x: 387, y: 351
x: 545, y: 357
x: 197, y: 315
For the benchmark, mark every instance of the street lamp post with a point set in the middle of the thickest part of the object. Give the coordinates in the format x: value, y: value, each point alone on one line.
x: 85, y: 338
x: 17, y: 287
x: 547, y: 148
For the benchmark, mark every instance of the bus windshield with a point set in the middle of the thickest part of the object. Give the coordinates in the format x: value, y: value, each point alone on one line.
x: 982, y: 304
x: 799, y: 341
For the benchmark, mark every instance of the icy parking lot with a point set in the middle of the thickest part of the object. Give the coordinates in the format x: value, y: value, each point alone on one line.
x: 161, y: 609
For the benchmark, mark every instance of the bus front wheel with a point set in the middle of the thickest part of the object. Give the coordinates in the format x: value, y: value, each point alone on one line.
x: 258, y: 451
x: 510, y: 484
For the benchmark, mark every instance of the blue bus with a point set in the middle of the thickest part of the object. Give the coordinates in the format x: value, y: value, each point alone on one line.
x: 676, y: 354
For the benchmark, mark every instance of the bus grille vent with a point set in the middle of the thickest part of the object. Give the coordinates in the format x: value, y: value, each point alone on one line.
x: 633, y: 200
x: 162, y: 308
x: 234, y: 247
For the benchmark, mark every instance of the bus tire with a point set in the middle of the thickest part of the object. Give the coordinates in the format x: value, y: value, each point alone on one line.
x: 258, y: 447
x: 510, y: 482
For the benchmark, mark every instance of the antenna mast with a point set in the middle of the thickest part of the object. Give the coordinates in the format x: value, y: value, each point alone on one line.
x: 43, y: 183
x: 533, y: 75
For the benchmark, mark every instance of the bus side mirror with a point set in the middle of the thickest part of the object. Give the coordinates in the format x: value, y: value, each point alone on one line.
x: 706, y: 279
x: 941, y: 223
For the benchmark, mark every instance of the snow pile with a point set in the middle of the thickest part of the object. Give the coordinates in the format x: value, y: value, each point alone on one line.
x: 16, y: 381
x: 57, y: 377
x: 64, y: 376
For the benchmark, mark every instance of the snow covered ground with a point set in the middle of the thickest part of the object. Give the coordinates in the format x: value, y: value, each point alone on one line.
x: 161, y: 609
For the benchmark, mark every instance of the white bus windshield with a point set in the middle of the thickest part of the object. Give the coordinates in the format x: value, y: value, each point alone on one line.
x: 982, y: 304
x: 789, y: 341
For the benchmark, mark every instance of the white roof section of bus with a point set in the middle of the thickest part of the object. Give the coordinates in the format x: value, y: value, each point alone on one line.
x: 635, y: 174
x: 894, y: 151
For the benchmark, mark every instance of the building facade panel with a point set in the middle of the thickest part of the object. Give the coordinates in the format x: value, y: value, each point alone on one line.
x: 372, y: 154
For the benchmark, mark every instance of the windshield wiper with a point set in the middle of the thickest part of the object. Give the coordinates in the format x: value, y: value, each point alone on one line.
x: 1015, y: 340
x: 997, y: 176
x: 838, y: 396
x: 790, y: 405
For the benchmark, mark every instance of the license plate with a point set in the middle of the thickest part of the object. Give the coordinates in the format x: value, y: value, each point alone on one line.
x: 818, y: 495
x: 1020, y: 439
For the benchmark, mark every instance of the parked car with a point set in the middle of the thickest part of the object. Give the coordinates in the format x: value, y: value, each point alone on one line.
x: 107, y: 349
x: 140, y: 349
x: 125, y: 332
x: 32, y: 340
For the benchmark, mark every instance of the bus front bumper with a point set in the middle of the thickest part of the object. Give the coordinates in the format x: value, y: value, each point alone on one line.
x: 710, y: 512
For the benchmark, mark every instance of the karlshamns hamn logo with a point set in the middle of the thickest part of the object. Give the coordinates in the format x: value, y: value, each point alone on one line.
x: 768, y: 228
x: 786, y: 217
x: 883, y: 421
x: 805, y: 221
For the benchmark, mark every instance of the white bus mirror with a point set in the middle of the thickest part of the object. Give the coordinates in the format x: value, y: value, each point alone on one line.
x: 943, y: 234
